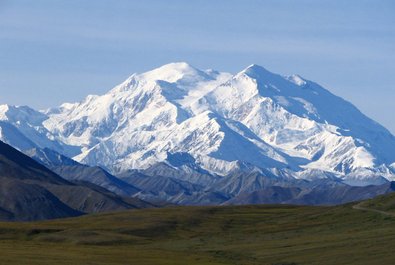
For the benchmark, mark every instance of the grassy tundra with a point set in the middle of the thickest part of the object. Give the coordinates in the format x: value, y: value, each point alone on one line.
x: 265, y: 234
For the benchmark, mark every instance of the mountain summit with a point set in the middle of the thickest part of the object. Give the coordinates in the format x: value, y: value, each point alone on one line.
x: 285, y: 126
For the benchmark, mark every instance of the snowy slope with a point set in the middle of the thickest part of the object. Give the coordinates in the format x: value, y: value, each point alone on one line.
x: 305, y: 121
x: 22, y: 127
x: 253, y: 120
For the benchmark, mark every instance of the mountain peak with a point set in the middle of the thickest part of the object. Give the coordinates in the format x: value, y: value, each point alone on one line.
x: 178, y: 65
x: 174, y: 72
x: 267, y: 116
x: 255, y: 70
x: 258, y: 72
x: 177, y: 72
x: 18, y: 113
x: 181, y: 67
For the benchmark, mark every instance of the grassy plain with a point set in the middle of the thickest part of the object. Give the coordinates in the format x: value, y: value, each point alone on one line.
x: 265, y: 234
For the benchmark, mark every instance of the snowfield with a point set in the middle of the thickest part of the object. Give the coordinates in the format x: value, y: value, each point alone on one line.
x: 216, y: 122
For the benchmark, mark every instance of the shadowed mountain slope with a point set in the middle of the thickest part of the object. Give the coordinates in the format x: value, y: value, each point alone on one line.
x: 30, y: 191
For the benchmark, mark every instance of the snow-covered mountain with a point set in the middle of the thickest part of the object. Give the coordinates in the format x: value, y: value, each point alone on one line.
x: 214, y: 123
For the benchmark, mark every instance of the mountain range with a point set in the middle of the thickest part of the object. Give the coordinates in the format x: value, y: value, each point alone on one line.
x: 30, y: 191
x: 192, y: 136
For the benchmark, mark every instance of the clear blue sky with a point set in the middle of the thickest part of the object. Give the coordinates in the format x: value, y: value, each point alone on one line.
x: 62, y: 50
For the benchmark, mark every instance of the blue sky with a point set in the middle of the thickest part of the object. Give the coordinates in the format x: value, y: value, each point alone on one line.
x: 55, y: 51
